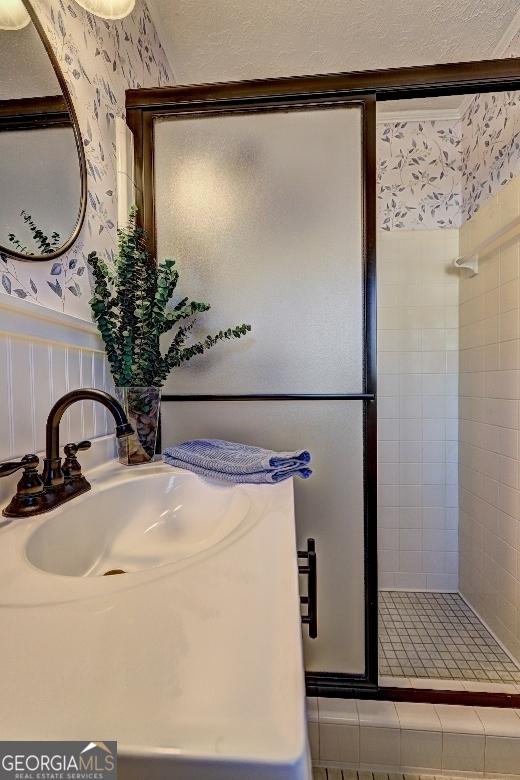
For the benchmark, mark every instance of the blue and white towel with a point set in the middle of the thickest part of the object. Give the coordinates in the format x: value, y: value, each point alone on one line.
x: 234, y: 462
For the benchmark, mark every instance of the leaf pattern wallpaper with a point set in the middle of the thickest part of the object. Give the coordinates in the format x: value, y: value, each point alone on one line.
x: 99, y: 60
x: 419, y: 177
x: 437, y: 174
x: 491, y: 143
x: 431, y: 175
x: 491, y: 152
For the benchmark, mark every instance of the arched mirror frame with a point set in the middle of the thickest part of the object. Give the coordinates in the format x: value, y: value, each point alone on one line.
x: 79, y: 148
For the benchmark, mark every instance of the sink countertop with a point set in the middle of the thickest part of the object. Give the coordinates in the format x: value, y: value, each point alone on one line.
x: 198, y: 659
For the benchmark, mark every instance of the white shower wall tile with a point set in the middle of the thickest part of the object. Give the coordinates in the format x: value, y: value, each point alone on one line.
x: 418, y: 407
x: 489, y: 423
x: 417, y: 740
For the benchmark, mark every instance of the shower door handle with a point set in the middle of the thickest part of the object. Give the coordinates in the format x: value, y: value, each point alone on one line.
x: 311, y: 599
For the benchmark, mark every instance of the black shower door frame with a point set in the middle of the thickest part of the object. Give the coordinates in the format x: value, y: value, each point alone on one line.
x: 362, y: 89
x: 142, y: 122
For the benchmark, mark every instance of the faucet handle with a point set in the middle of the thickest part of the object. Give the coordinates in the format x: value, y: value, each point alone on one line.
x: 71, y: 466
x: 28, y: 462
x: 71, y: 449
x: 30, y: 485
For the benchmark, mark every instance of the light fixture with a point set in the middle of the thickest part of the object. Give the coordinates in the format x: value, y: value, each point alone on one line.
x: 108, y: 9
x: 13, y: 15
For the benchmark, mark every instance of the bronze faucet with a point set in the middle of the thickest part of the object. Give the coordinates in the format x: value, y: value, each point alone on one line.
x: 36, y: 494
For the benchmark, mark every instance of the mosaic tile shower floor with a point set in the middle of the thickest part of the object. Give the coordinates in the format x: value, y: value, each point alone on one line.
x: 436, y: 635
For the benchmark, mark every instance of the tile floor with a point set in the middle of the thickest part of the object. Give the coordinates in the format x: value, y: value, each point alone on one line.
x: 351, y: 774
x: 436, y: 635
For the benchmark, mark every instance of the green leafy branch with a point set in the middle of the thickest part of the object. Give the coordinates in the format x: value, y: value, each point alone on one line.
x: 132, y: 308
x: 44, y: 244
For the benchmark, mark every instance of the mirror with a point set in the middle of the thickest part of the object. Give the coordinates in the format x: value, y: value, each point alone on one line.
x: 42, y: 164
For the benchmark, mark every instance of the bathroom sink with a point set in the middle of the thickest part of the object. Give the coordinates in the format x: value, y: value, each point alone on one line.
x: 192, y: 659
x: 136, y: 525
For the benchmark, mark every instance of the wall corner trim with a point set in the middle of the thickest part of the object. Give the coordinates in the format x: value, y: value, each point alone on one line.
x: 27, y: 320
x: 417, y: 115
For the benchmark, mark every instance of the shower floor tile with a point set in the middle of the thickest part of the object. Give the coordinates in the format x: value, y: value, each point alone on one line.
x: 436, y: 635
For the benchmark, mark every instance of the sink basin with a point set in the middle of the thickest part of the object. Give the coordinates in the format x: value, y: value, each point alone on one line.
x: 137, y: 525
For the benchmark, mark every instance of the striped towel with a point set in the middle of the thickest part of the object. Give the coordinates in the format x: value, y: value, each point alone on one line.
x: 234, y: 462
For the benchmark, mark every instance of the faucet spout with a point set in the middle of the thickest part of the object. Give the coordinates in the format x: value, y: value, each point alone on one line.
x: 35, y: 494
x: 52, y: 473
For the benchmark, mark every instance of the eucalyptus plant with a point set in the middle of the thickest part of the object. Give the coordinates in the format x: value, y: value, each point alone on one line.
x: 44, y: 244
x: 132, y: 306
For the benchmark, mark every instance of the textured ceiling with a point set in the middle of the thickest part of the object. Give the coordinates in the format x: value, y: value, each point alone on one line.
x: 224, y: 40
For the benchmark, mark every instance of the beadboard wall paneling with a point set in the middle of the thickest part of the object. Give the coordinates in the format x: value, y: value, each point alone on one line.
x: 39, y: 362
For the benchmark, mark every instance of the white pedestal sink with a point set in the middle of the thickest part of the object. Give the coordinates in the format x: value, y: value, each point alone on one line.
x: 192, y: 659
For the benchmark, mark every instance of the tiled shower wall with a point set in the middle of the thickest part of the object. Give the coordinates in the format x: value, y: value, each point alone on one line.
x: 433, y: 177
x: 417, y: 409
x: 489, y: 422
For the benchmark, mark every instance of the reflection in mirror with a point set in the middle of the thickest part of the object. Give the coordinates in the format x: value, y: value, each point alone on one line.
x: 41, y: 171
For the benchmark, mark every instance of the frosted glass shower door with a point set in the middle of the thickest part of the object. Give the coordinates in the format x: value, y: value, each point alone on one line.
x: 263, y: 213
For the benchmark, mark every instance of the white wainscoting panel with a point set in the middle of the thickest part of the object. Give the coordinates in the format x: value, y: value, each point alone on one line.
x: 44, y: 354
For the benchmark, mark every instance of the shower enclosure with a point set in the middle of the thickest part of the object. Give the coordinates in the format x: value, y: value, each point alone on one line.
x: 265, y: 194
x: 261, y: 207
x: 448, y: 304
